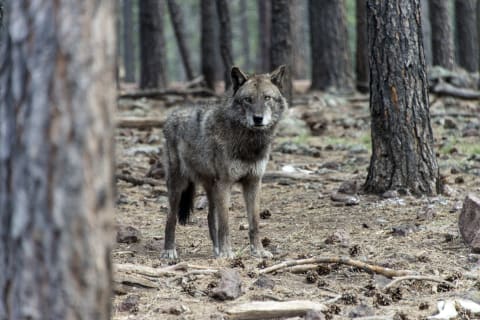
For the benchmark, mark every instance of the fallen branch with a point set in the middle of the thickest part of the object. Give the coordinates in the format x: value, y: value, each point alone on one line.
x: 160, y: 93
x: 132, y: 279
x: 273, y: 309
x: 395, y: 281
x: 271, y: 176
x: 454, y: 115
x: 140, y: 123
x: 138, y: 181
x: 165, y: 271
x: 445, y: 89
x: 390, y: 273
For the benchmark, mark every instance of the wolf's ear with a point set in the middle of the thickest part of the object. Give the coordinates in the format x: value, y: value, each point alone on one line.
x: 277, y: 75
x: 238, y: 78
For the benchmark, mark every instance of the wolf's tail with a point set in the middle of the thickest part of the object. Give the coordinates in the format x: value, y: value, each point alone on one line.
x: 186, y: 203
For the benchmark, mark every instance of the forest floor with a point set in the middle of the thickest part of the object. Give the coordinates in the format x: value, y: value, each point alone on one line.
x: 398, y: 231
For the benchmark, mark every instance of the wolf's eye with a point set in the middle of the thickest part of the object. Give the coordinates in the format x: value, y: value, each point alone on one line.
x: 247, y: 100
x: 266, y: 98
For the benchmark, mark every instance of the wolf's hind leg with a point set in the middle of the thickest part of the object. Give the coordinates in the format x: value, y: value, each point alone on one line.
x: 176, y: 186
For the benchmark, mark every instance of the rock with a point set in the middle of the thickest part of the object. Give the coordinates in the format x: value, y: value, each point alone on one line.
x: 450, y: 124
x: 361, y: 310
x: 128, y: 234
x: 202, y: 203
x: 154, y: 245
x: 340, y: 236
x: 332, y: 165
x: 314, y: 315
x: 145, y: 149
x: 348, y: 187
x: 264, y: 282
x: 469, y: 222
x: 292, y: 127
x: 229, y: 287
x: 176, y: 309
x: 358, y: 149
x: 129, y: 304
x: 447, y: 191
x: 404, y: 230
x: 470, y: 132
x: 290, y: 147
x: 347, y: 199
x: 426, y: 214
x: 390, y: 194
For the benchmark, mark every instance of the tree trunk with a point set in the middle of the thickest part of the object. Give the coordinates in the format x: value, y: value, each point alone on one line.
x: 466, y: 35
x: 176, y: 16
x: 331, y: 66
x: 209, y: 42
x: 402, y: 141
x: 152, y: 45
x: 128, y: 55
x: 300, y: 43
x: 442, y: 37
x: 245, y: 35
x: 478, y: 35
x: 361, y: 53
x: 225, y: 39
x: 57, y: 97
x: 426, y: 31
x: 281, y: 43
x: 264, y: 34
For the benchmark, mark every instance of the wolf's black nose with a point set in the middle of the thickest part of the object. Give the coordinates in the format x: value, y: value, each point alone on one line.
x: 257, y: 120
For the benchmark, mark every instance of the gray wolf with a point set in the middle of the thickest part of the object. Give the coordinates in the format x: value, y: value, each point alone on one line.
x: 217, y: 146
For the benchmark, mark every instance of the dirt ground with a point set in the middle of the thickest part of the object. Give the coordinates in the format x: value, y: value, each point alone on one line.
x: 399, y: 232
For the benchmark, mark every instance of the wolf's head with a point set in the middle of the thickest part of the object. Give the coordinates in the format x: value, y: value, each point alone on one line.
x: 257, y: 100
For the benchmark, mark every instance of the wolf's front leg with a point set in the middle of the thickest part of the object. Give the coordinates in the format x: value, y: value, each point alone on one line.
x: 251, y: 194
x: 221, y: 196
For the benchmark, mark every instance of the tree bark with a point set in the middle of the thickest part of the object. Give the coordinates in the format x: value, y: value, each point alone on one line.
x: 264, y: 34
x: 128, y: 55
x: 281, y: 43
x: 361, y: 54
x: 225, y: 39
x: 331, y: 64
x: 57, y: 96
x: 176, y: 16
x: 478, y: 34
x: 426, y: 31
x: 466, y: 35
x: 442, y: 37
x: 152, y: 45
x: 209, y: 42
x: 402, y: 141
x: 299, y: 40
x: 245, y: 35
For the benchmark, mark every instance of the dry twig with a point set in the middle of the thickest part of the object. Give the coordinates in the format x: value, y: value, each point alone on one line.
x: 342, y: 260
x: 395, y: 281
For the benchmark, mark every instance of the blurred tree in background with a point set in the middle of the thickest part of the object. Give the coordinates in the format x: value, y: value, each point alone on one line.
x: 192, y: 32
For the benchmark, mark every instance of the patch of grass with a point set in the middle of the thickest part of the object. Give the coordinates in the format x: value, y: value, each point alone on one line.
x: 464, y: 147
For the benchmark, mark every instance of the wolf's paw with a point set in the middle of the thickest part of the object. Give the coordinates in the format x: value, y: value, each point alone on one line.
x: 169, y: 254
x: 261, y: 253
x: 225, y: 253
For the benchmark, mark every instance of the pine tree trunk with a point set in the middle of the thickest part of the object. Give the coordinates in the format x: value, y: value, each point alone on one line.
x: 152, y: 45
x: 300, y: 43
x: 466, y: 35
x: 361, y: 54
x: 264, y: 34
x: 426, y: 31
x: 128, y: 55
x: 57, y: 97
x: 281, y: 43
x: 209, y: 42
x: 245, y: 35
x: 176, y: 16
x: 225, y: 39
x: 478, y: 35
x: 442, y: 37
x: 331, y: 65
x: 402, y: 141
